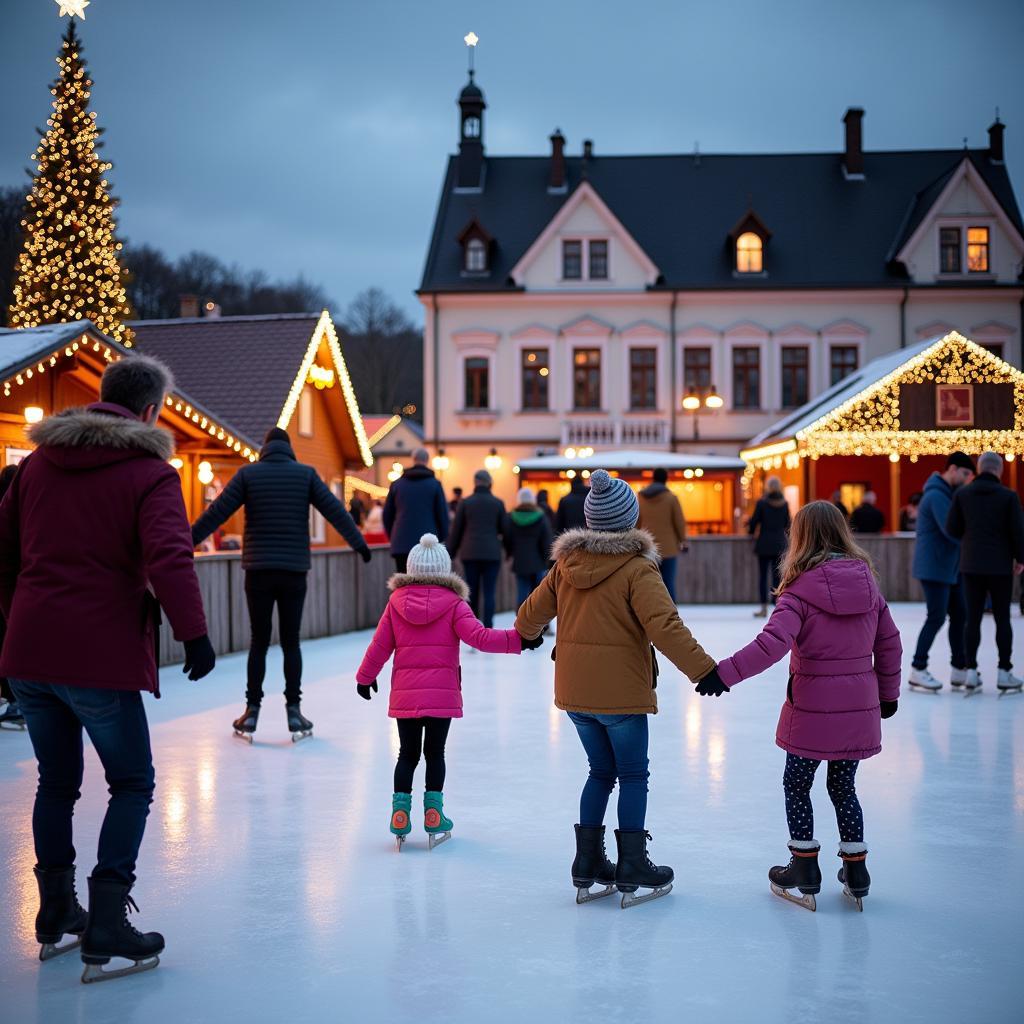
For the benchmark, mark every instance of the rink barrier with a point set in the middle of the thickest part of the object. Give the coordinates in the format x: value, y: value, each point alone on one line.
x: 345, y: 594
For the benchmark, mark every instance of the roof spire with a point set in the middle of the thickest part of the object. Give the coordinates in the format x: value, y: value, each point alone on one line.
x: 471, y: 39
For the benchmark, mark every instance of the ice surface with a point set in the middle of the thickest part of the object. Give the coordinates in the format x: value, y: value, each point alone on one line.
x: 271, y: 871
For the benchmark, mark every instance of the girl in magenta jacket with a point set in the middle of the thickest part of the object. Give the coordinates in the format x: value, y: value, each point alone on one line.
x: 424, y: 621
x: 844, y: 678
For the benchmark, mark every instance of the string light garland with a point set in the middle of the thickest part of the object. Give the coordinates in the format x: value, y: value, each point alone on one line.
x: 69, y: 266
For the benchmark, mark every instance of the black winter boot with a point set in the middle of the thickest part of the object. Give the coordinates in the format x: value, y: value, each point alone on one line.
x: 60, y: 913
x: 854, y: 876
x: 635, y: 870
x: 801, y: 873
x: 591, y: 864
x: 109, y: 933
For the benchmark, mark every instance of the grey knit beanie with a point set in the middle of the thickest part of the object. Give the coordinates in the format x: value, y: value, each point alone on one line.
x: 611, y: 505
x: 429, y: 558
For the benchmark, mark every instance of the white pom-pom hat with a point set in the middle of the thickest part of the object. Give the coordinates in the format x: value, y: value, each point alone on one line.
x: 429, y: 558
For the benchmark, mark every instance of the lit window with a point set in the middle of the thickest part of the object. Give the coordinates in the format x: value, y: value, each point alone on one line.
x: 471, y: 128
x: 598, y: 253
x: 477, y: 383
x: 306, y: 413
x: 949, y: 250
x: 977, y: 250
x: 572, y: 260
x: 749, y: 253
x: 476, y: 255
x: 535, y: 378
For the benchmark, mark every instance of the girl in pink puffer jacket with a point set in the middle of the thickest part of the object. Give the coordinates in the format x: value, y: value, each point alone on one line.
x: 424, y: 621
x: 844, y: 678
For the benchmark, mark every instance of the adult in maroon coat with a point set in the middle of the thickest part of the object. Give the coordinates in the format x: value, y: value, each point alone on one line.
x: 93, y: 535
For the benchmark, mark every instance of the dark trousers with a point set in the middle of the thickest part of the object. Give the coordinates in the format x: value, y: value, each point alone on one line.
x: 668, y: 574
x: 616, y: 747
x: 263, y: 589
x: 797, y: 780
x: 526, y: 584
x: 767, y: 565
x: 416, y: 735
x: 482, y: 577
x: 401, y: 561
x: 977, y: 588
x: 116, y: 723
x: 942, y: 601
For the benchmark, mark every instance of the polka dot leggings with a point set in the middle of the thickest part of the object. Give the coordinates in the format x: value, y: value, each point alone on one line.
x: 842, y: 790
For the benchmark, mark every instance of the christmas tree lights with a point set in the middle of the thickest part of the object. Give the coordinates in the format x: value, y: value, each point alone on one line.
x: 69, y: 266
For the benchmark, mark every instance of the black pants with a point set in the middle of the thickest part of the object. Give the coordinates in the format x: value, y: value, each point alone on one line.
x: 797, y: 780
x: 482, y: 577
x: 977, y: 588
x: 263, y: 589
x: 421, y: 734
x: 767, y: 565
x: 942, y: 600
x: 400, y: 562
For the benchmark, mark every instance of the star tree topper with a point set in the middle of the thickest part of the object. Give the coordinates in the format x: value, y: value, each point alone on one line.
x: 72, y: 8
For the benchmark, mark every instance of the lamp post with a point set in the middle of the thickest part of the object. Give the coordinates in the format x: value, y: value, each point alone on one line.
x: 693, y: 400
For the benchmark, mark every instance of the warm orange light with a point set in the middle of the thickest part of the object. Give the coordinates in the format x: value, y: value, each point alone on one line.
x: 691, y: 402
x: 33, y: 414
x: 749, y: 253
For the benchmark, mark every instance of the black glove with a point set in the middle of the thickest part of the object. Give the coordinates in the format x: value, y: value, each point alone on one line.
x: 889, y: 708
x: 199, y: 657
x: 531, y: 645
x: 366, y: 555
x: 711, y: 685
x: 364, y: 690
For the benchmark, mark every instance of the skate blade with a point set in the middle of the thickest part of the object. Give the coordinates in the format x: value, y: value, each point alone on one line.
x: 970, y: 692
x: 1006, y: 691
x: 399, y: 840
x: 246, y: 736
x: 95, y: 972
x: 585, y: 895
x: 13, y: 726
x: 918, y: 688
x: 805, y: 900
x: 301, y: 734
x: 630, y: 899
x: 859, y: 900
x: 48, y: 950
x: 437, y: 838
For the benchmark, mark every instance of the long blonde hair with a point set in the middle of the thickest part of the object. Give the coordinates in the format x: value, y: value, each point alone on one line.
x: 819, y: 531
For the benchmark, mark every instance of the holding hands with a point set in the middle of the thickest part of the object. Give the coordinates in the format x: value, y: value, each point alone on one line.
x: 711, y: 685
x: 531, y: 645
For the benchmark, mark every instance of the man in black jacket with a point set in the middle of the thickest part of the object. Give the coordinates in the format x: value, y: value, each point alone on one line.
x: 277, y: 492
x: 570, y: 509
x: 476, y: 539
x: 988, y: 518
x: 415, y: 505
x: 867, y: 516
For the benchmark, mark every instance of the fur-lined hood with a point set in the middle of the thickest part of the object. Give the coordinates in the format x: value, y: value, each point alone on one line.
x: 97, y: 435
x: 425, y: 599
x: 588, y: 557
x: 456, y: 584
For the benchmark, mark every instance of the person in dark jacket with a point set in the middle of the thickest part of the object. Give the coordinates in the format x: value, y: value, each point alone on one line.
x: 10, y: 716
x: 867, y: 517
x: 528, y: 543
x: 277, y: 493
x: 910, y: 511
x: 415, y: 505
x: 476, y: 539
x: 544, y: 504
x: 570, y: 515
x: 987, y: 518
x: 937, y: 565
x: 770, y: 522
x: 837, y: 500
x: 93, y: 533
x: 357, y: 510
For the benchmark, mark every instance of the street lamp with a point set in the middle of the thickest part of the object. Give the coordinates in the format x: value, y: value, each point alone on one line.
x: 440, y: 461
x: 693, y: 400
x: 492, y: 463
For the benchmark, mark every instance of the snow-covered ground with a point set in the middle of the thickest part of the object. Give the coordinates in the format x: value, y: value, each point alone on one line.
x: 272, y: 874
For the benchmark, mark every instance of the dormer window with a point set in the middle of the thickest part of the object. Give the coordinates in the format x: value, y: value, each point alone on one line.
x: 977, y: 250
x: 964, y: 248
x: 476, y: 248
x: 572, y: 260
x: 949, y: 250
x: 476, y: 256
x: 749, y: 254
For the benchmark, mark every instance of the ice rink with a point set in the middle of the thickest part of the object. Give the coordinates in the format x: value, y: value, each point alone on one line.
x: 271, y: 872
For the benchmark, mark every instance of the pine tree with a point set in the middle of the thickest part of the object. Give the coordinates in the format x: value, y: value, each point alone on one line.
x: 68, y: 268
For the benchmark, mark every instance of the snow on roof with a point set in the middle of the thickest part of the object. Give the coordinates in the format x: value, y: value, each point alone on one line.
x: 24, y: 345
x: 633, y: 459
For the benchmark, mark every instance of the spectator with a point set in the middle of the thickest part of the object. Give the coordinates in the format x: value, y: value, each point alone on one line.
x: 453, y: 505
x: 544, y: 504
x: 93, y: 527
x: 987, y: 517
x: 528, y: 543
x: 570, y: 515
x: 374, y: 520
x: 910, y: 512
x: 476, y: 539
x: 837, y: 500
x: 662, y: 517
x: 867, y: 517
x: 936, y: 565
x: 771, y: 523
x: 415, y: 505
x: 356, y: 509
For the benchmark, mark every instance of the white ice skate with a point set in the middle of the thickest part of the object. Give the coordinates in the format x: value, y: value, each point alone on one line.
x: 10, y: 716
x: 921, y: 679
x: 1007, y: 682
x: 957, y: 677
x: 972, y: 682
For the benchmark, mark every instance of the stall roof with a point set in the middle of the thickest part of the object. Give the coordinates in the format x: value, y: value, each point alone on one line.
x: 632, y: 459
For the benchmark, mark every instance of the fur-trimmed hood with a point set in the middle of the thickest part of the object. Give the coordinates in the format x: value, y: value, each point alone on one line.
x: 589, y: 557
x: 98, y: 435
x: 451, y: 581
x: 423, y: 599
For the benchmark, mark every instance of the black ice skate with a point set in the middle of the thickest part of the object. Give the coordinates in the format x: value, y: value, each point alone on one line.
x: 801, y: 873
x: 854, y: 876
x: 60, y: 913
x: 109, y: 934
x: 245, y: 724
x: 635, y: 870
x: 591, y: 864
x: 299, y: 726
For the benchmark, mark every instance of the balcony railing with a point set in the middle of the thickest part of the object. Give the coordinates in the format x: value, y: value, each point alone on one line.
x: 615, y: 433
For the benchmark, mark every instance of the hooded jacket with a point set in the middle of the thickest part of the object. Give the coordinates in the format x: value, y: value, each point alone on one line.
x: 611, y: 604
x: 988, y: 517
x: 422, y: 625
x: 92, y: 528
x: 277, y: 492
x: 771, y: 521
x: 528, y: 540
x: 936, y: 552
x: 415, y: 505
x: 845, y: 656
x: 661, y: 516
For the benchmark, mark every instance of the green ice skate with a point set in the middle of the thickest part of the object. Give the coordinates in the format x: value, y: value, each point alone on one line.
x: 401, y: 822
x: 437, y: 826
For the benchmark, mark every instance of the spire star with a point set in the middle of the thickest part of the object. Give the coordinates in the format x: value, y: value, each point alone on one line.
x: 72, y: 8
x: 471, y: 40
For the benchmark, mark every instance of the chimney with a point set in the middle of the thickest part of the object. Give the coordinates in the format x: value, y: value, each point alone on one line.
x: 995, y: 140
x: 189, y: 306
x: 556, y: 178
x: 853, y: 159
x: 588, y: 149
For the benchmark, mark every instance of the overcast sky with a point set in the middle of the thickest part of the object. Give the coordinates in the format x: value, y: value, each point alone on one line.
x: 310, y: 135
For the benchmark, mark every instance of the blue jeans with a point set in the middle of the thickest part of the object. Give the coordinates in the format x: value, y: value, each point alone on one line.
x: 668, y: 574
x: 116, y: 723
x: 942, y: 600
x: 482, y: 577
x: 616, y: 747
x: 526, y: 585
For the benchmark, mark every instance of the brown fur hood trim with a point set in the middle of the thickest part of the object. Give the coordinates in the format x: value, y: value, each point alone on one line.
x: 454, y: 583
x: 81, y: 428
x: 597, y: 542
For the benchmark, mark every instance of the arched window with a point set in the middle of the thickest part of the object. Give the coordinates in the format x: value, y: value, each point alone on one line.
x: 471, y: 128
x: 476, y: 255
x: 749, y: 253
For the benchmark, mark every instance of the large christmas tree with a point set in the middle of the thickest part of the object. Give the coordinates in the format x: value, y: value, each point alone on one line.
x: 68, y: 268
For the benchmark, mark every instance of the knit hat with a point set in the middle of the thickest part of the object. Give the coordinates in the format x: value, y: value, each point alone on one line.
x: 481, y: 478
x: 429, y: 558
x: 526, y: 496
x: 611, y: 505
